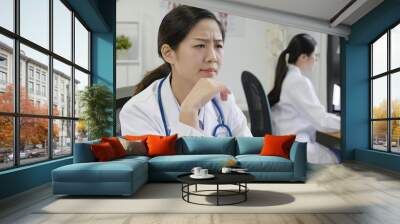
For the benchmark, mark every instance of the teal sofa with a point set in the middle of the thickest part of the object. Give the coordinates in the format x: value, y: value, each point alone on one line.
x: 125, y: 176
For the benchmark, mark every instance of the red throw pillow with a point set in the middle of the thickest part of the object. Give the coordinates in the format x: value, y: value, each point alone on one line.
x: 103, y: 151
x: 277, y: 145
x: 116, y: 145
x: 161, y: 145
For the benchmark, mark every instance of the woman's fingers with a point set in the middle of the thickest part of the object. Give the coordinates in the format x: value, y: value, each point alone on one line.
x: 224, y: 94
x: 204, y: 90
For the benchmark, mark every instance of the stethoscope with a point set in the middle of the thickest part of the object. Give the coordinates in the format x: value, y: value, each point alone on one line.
x: 221, y: 119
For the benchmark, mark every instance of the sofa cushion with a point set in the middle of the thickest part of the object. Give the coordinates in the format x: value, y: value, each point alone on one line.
x: 116, y: 145
x: 111, y: 171
x: 135, y: 147
x: 83, y: 153
x: 132, y: 158
x: 191, y: 145
x: 249, y: 145
x: 161, y: 145
x: 103, y: 151
x: 185, y: 163
x: 277, y: 145
x: 257, y: 163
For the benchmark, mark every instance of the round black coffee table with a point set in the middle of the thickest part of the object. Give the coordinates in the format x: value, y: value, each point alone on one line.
x: 238, y: 179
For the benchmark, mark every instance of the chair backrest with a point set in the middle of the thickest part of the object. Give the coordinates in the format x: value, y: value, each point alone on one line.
x: 118, y: 106
x: 258, y: 104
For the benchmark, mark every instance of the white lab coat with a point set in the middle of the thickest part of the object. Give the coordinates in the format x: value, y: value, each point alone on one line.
x: 300, y: 112
x: 141, y: 115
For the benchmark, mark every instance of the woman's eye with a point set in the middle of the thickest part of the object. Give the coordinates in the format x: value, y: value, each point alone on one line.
x: 200, y: 46
x: 220, y: 46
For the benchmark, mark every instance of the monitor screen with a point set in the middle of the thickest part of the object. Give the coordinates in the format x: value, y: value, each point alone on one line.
x: 336, y: 97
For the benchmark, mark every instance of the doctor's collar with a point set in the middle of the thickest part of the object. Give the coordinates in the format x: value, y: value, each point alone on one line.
x: 294, y: 67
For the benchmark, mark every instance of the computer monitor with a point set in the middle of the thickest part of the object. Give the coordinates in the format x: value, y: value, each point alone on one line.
x: 336, y: 98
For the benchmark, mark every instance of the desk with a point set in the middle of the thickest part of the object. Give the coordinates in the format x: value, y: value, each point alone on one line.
x: 329, y: 139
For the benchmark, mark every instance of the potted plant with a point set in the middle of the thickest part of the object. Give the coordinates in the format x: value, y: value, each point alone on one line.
x: 122, y: 45
x: 96, y: 102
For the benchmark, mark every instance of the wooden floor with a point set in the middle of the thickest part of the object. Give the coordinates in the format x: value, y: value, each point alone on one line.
x: 378, y: 188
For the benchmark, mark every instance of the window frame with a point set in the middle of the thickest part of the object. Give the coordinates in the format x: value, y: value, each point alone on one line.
x: 388, y: 74
x: 16, y: 114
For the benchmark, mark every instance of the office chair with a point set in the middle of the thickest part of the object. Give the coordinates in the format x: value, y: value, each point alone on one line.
x: 258, y: 104
x: 119, y: 104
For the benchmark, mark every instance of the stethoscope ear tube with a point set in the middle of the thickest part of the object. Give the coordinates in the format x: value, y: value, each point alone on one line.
x: 162, y: 107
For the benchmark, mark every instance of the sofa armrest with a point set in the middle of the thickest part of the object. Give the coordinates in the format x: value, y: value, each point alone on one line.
x: 298, y: 155
x: 83, y: 152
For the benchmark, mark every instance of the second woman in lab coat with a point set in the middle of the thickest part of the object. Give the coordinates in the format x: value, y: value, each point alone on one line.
x: 181, y: 97
x: 295, y: 106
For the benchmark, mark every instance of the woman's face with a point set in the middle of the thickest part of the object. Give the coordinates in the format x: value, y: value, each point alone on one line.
x: 200, y: 54
x: 307, y: 62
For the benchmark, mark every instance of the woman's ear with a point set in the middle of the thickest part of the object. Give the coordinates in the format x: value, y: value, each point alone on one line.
x: 303, y: 57
x: 168, y: 54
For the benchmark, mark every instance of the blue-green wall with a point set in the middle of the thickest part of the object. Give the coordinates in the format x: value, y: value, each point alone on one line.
x: 24, y: 178
x: 356, y: 100
x: 100, y: 17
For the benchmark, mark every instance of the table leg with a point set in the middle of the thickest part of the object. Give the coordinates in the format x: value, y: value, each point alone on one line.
x: 245, y: 193
x: 217, y: 194
x: 188, y: 189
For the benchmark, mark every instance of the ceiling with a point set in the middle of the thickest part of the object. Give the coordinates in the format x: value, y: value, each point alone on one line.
x: 318, y: 9
x: 327, y: 16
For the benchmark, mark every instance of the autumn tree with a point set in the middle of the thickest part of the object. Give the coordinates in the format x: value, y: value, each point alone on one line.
x: 33, y: 130
x: 380, y: 127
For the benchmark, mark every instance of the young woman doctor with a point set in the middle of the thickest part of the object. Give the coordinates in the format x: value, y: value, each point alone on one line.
x: 181, y: 95
x: 295, y: 106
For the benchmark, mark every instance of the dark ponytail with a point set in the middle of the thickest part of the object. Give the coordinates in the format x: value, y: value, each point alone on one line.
x: 173, y: 29
x: 300, y: 44
x: 158, y: 73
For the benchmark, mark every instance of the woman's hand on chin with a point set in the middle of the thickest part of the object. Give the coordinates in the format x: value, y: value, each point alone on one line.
x: 202, y: 92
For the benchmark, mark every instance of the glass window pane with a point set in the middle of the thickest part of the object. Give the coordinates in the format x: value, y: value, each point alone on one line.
x: 379, y: 97
x: 395, y: 94
x: 81, y: 81
x: 395, y: 136
x: 395, y: 47
x: 81, y: 131
x: 62, y: 89
x: 33, y: 139
x: 379, y: 135
x: 6, y: 142
x: 35, y: 21
x: 379, y: 55
x: 62, y: 29
x: 62, y: 138
x: 34, y: 76
x: 6, y: 74
x: 7, y: 14
x: 81, y: 45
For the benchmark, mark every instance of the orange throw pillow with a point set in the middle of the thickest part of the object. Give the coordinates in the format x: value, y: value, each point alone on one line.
x: 103, y: 151
x: 136, y: 137
x: 161, y: 145
x: 116, y: 145
x: 277, y: 145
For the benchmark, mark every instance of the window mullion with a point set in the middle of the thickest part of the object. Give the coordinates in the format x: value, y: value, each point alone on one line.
x: 50, y: 81
x: 16, y: 84
x: 73, y: 82
x: 389, y: 76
